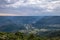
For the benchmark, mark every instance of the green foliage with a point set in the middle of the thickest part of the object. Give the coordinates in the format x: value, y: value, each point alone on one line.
x: 22, y: 36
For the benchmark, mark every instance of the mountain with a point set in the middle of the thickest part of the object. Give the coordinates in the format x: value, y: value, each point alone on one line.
x: 15, y: 23
x: 48, y: 22
x: 18, y: 19
x: 29, y: 23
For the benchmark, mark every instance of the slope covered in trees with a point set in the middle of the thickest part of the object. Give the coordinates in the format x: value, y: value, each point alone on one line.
x: 23, y: 36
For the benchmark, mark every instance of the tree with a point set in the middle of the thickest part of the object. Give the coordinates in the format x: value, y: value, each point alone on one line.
x: 31, y: 37
x: 20, y: 35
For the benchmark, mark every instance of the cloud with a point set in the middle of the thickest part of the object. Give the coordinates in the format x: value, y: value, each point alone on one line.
x: 31, y: 7
x: 5, y: 14
x: 43, y: 30
x: 12, y: 14
x: 47, y: 5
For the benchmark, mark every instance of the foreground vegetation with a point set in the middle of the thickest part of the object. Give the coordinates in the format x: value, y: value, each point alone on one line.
x: 23, y: 36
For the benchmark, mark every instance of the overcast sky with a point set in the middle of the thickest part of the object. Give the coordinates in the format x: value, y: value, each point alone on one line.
x: 29, y: 7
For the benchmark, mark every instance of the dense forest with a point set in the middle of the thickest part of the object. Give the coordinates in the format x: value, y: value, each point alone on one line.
x: 24, y: 36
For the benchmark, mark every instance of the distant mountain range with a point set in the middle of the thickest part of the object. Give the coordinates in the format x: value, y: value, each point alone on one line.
x: 49, y: 20
x: 14, y: 23
x: 35, y: 23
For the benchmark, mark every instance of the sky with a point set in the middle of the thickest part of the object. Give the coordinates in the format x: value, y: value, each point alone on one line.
x: 29, y: 7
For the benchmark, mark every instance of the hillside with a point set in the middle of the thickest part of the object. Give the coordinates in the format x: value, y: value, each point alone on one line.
x: 22, y: 36
x: 29, y: 23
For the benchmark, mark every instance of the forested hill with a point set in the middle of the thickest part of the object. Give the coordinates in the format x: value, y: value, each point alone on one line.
x: 22, y: 36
